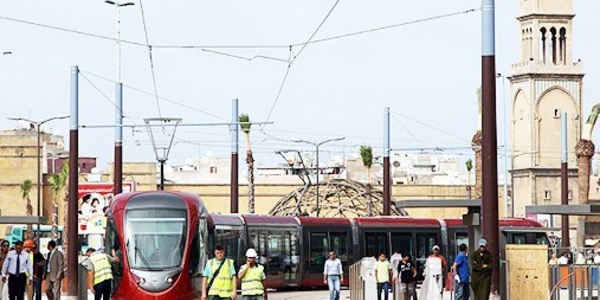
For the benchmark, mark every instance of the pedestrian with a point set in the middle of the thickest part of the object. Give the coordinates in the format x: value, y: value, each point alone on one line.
x: 220, y: 280
x: 432, y: 288
x: 564, y: 259
x: 54, y: 271
x: 407, y: 274
x: 3, y: 252
x: 38, y: 272
x: 383, y: 273
x: 102, y: 272
x: 461, y: 272
x: 481, y: 276
x: 28, y: 247
x: 252, y: 275
x: 15, y: 268
x: 333, y: 275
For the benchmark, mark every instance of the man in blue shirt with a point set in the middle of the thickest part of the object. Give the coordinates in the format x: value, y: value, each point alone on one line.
x: 461, y: 272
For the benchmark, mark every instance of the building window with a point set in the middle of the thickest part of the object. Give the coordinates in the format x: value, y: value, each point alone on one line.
x: 547, y: 195
x: 556, y: 113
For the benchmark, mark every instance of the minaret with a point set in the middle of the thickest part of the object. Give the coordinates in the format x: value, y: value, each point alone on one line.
x: 544, y: 84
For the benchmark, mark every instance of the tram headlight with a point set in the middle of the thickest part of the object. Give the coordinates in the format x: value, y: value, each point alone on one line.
x: 169, y: 279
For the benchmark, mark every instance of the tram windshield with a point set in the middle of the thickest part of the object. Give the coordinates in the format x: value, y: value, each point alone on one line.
x: 155, y: 238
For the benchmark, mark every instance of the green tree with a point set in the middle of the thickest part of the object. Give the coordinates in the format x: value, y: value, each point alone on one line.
x: 245, y: 125
x: 366, y: 154
x: 58, y: 182
x: 25, y: 194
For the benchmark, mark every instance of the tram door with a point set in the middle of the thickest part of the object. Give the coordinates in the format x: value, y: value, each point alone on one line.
x: 275, y: 256
x: 291, y: 258
x: 425, y: 242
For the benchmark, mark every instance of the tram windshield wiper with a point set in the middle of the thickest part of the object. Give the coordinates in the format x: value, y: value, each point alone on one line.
x: 139, y: 253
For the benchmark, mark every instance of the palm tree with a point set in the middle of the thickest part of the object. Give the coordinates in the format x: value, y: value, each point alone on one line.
x: 25, y: 191
x: 584, y: 149
x: 476, y: 143
x: 245, y: 125
x: 469, y: 165
x: 58, y: 182
x: 366, y: 154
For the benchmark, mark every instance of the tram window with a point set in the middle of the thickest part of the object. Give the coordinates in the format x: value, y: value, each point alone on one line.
x: 541, y: 239
x: 376, y: 243
x: 274, y: 249
x: 339, y: 244
x: 195, y: 254
x: 229, y: 238
x: 519, y: 238
x: 318, y: 248
x: 402, y: 242
x: 425, y: 242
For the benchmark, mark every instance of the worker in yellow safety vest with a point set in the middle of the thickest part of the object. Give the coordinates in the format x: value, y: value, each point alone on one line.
x: 101, y: 272
x: 220, y: 280
x: 252, y: 276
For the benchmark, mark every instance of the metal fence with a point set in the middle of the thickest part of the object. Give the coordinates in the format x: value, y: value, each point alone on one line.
x: 357, y: 286
x: 573, y: 282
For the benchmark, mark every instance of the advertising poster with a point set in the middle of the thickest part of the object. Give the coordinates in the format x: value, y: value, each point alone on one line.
x: 94, y: 199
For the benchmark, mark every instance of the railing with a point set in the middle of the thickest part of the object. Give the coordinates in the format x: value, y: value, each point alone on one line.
x: 574, y: 282
x: 357, y: 287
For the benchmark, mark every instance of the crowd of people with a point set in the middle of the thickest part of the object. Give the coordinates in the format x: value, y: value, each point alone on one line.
x: 469, y: 272
x: 24, y: 268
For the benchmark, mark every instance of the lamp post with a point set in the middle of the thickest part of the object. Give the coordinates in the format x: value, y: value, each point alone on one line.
x: 317, y: 145
x: 118, y: 165
x: 39, y: 163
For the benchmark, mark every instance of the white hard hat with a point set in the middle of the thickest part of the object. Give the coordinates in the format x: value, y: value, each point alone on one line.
x: 251, y: 253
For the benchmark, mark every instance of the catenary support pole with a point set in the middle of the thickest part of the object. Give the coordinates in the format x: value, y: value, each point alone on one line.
x: 72, y: 253
x: 386, y: 162
x: 235, y: 142
x: 564, y: 183
x: 118, y: 165
x: 489, y: 142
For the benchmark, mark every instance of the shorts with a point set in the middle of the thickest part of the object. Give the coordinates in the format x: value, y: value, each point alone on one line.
x: 407, y: 287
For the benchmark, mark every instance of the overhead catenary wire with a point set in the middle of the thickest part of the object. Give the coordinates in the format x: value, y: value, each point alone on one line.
x: 431, y: 127
x: 291, y: 60
x: 160, y: 97
x: 106, y: 97
x: 150, y: 57
x: 234, y: 46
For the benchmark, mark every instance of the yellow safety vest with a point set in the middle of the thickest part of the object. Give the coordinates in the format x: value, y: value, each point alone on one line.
x: 102, y: 270
x: 223, y: 284
x: 252, y: 282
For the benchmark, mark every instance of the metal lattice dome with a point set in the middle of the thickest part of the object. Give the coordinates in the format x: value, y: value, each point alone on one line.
x: 337, y: 198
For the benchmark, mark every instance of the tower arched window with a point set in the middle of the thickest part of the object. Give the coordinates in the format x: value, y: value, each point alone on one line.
x: 553, y: 45
x: 543, y: 44
x: 563, y: 45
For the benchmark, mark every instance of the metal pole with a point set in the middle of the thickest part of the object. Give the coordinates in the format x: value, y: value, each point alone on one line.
x: 118, y: 165
x: 505, y: 195
x: 386, y: 162
x: 118, y: 5
x: 564, y: 180
x: 489, y: 142
x: 235, y: 142
x: 162, y: 175
x: 72, y: 253
x: 318, y: 204
x: 39, y: 184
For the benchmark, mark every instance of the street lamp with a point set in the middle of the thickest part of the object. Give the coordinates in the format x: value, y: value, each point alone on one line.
x: 118, y: 5
x: 39, y: 164
x: 499, y: 75
x: 317, y: 145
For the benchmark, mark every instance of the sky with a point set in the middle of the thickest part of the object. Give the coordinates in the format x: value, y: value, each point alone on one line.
x: 427, y: 72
